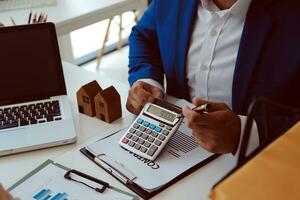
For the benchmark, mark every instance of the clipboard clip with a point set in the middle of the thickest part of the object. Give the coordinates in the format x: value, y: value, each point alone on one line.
x: 86, y: 180
x: 115, y: 168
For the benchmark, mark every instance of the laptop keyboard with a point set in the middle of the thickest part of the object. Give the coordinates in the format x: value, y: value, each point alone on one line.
x: 16, y: 116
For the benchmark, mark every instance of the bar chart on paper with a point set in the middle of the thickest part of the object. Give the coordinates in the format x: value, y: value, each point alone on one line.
x: 46, y: 194
x: 50, y: 184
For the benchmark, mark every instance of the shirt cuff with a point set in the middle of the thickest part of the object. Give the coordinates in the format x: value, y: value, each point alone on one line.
x: 153, y: 83
x: 254, y: 138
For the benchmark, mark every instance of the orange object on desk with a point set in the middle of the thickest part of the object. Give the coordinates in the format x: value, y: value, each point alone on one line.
x: 272, y: 174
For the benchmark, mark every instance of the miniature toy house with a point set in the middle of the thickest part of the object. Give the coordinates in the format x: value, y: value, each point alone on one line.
x: 85, y: 98
x: 108, y: 105
x: 104, y: 104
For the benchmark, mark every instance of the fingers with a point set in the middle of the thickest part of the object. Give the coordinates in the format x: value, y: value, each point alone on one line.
x: 157, y: 93
x: 154, y: 91
x: 215, y: 106
x: 140, y: 94
x: 218, y: 130
x: 143, y: 95
x: 4, y: 195
x: 199, y: 102
x: 196, y: 119
x: 133, y: 106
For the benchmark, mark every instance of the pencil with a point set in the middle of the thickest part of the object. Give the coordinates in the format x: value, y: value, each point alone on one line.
x: 13, y: 21
x: 29, y: 18
x: 45, y: 19
x: 38, y: 21
x: 34, y: 19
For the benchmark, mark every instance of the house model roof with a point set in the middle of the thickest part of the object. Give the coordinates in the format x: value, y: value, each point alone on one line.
x: 109, y: 94
x: 92, y: 88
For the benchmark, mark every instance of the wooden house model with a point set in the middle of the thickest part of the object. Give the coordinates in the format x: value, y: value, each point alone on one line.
x: 108, y: 105
x: 94, y: 101
x: 85, y: 98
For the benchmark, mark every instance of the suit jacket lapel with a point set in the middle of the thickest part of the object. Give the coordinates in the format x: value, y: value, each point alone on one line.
x: 256, y: 29
x: 186, y: 14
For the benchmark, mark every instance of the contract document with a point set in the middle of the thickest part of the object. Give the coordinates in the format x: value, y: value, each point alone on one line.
x: 181, y: 153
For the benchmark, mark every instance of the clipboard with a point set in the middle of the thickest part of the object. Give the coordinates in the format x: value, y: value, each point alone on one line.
x: 126, y: 180
x: 104, y: 187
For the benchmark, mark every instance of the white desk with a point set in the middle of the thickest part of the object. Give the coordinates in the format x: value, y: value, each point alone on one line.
x: 195, y: 186
x: 70, y: 15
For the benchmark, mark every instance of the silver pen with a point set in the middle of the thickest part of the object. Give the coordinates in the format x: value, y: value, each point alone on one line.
x: 113, y: 171
x: 199, y: 109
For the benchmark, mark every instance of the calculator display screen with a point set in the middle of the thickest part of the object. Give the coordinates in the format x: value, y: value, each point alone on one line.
x: 161, y: 113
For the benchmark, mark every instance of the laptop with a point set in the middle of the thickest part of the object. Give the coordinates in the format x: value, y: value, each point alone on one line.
x: 34, y: 108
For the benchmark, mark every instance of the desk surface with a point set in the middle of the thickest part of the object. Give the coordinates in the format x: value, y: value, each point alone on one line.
x: 70, y: 15
x: 195, y: 186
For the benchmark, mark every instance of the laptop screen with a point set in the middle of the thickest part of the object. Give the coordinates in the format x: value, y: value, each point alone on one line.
x: 30, y: 64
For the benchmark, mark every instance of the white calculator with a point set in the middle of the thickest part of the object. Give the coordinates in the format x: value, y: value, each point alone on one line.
x: 152, y: 129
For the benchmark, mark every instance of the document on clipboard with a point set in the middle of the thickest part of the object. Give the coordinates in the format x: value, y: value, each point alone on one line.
x: 51, y: 181
x: 181, y: 154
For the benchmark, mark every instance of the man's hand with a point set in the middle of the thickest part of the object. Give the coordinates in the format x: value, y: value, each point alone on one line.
x: 141, y: 93
x: 5, y: 195
x: 218, y: 131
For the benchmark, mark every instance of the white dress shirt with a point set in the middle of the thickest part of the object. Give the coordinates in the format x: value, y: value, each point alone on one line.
x: 213, y: 51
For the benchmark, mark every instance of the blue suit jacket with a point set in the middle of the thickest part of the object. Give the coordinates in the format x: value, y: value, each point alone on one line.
x: 268, y: 61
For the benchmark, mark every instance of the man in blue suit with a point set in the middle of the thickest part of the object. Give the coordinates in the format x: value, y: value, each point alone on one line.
x: 225, y: 52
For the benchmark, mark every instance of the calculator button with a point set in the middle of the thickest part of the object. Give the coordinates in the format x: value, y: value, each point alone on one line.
x: 150, y: 139
x: 154, y: 134
x: 145, y: 136
x: 139, y: 133
x: 147, y: 144
x: 125, y: 140
x: 128, y: 135
x: 136, y: 126
x: 169, y: 128
x: 165, y: 132
x: 152, y: 150
x: 161, y: 125
x: 152, y: 126
x: 148, y: 131
x: 162, y: 138
x: 146, y: 123
x: 143, y: 149
x: 135, y: 138
x: 142, y: 128
x: 137, y: 146
x: 131, y: 143
x: 132, y: 130
x: 157, y: 142
x: 141, y: 141
x: 158, y: 129
x: 140, y: 121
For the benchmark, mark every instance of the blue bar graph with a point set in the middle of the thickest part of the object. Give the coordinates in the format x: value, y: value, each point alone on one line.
x: 45, y: 194
x: 42, y: 195
x: 59, y: 196
x: 47, y: 197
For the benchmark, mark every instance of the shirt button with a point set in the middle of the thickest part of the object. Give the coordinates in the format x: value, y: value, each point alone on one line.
x: 204, y: 67
x: 213, y: 33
